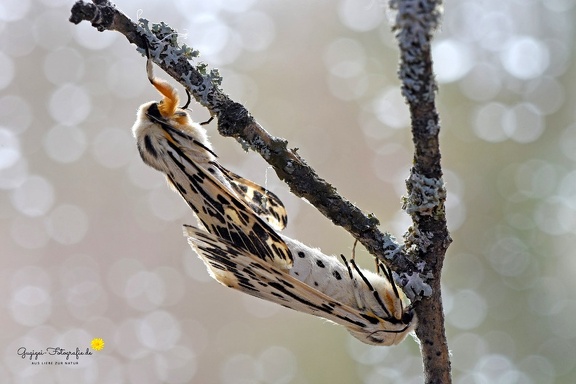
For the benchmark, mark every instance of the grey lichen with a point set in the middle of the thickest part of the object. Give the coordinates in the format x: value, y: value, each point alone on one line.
x: 425, y: 195
x: 417, y: 240
x: 163, y: 48
x: 258, y: 145
x: 415, y: 21
x: 413, y: 284
x: 289, y: 167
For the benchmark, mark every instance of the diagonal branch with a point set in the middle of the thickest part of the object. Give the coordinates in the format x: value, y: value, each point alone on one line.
x: 235, y: 121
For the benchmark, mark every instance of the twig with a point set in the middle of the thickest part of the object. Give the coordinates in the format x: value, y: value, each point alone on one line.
x: 428, y: 237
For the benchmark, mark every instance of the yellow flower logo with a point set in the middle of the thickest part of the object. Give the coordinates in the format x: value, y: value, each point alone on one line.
x: 97, y: 344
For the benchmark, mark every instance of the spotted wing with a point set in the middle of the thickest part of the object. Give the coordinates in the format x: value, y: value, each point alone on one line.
x: 265, y: 203
x: 191, y: 170
x: 222, y: 213
x: 238, y: 269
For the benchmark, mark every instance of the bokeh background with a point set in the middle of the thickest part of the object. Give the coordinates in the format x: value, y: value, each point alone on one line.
x: 90, y: 238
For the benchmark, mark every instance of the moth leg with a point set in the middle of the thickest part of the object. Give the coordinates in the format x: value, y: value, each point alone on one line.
x: 207, y: 121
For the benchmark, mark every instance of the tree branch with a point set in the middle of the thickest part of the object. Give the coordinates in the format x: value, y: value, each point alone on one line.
x: 428, y: 238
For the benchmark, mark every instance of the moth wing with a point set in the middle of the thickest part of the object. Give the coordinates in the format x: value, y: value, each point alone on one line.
x: 236, y: 268
x: 219, y: 209
x: 265, y: 203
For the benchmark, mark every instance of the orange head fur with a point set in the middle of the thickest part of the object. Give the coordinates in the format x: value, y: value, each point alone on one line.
x: 170, y: 101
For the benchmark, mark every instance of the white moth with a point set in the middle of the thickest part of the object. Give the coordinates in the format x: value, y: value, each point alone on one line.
x: 368, y: 305
x: 239, y: 244
x: 224, y: 202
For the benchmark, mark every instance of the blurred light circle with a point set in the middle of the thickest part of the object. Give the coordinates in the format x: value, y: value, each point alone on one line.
x: 359, y: 17
x: 546, y: 94
x: 13, y: 10
x: 83, y: 297
x: 509, y: 256
x: 159, y: 330
x: 34, y: 197
x: 49, y: 30
x: 30, y: 305
x: 126, y: 340
x: 67, y: 224
x: 391, y: 109
x: 555, y: 216
x: 70, y: 104
x: 567, y: 142
x: 143, y: 176
x: 525, y: 57
x: 279, y: 365
x: 28, y: 232
x: 89, y: 38
x: 177, y: 365
x: 452, y: 60
x: 238, y: 6
x: 482, y: 83
x: 166, y: 205
x: 119, y: 271
x: 14, y: 176
x: 487, y: 122
x: 539, y: 369
x: 144, y: 291
x: 6, y: 70
x: 114, y: 147
x: 9, y: 148
x: 239, y: 369
x: 468, y: 311
x: 17, y: 41
x: 345, y: 58
x: 257, y: 31
x: 536, y: 178
x: 15, y: 113
x: 523, y: 123
x: 65, y: 144
x: 566, y: 188
x: 492, y: 27
x: 63, y: 65
x: 126, y: 78
x: 212, y: 37
x: 348, y: 88
x: 258, y: 307
x: 561, y: 352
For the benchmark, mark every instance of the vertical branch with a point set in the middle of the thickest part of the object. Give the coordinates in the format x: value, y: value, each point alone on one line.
x: 428, y: 238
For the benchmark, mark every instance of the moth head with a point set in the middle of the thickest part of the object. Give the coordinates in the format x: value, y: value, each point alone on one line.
x: 168, y: 106
x: 386, y: 332
x: 170, y: 100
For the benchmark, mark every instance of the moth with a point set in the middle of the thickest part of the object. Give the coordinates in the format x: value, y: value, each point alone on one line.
x: 368, y: 305
x: 238, y: 240
x: 227, y: 205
